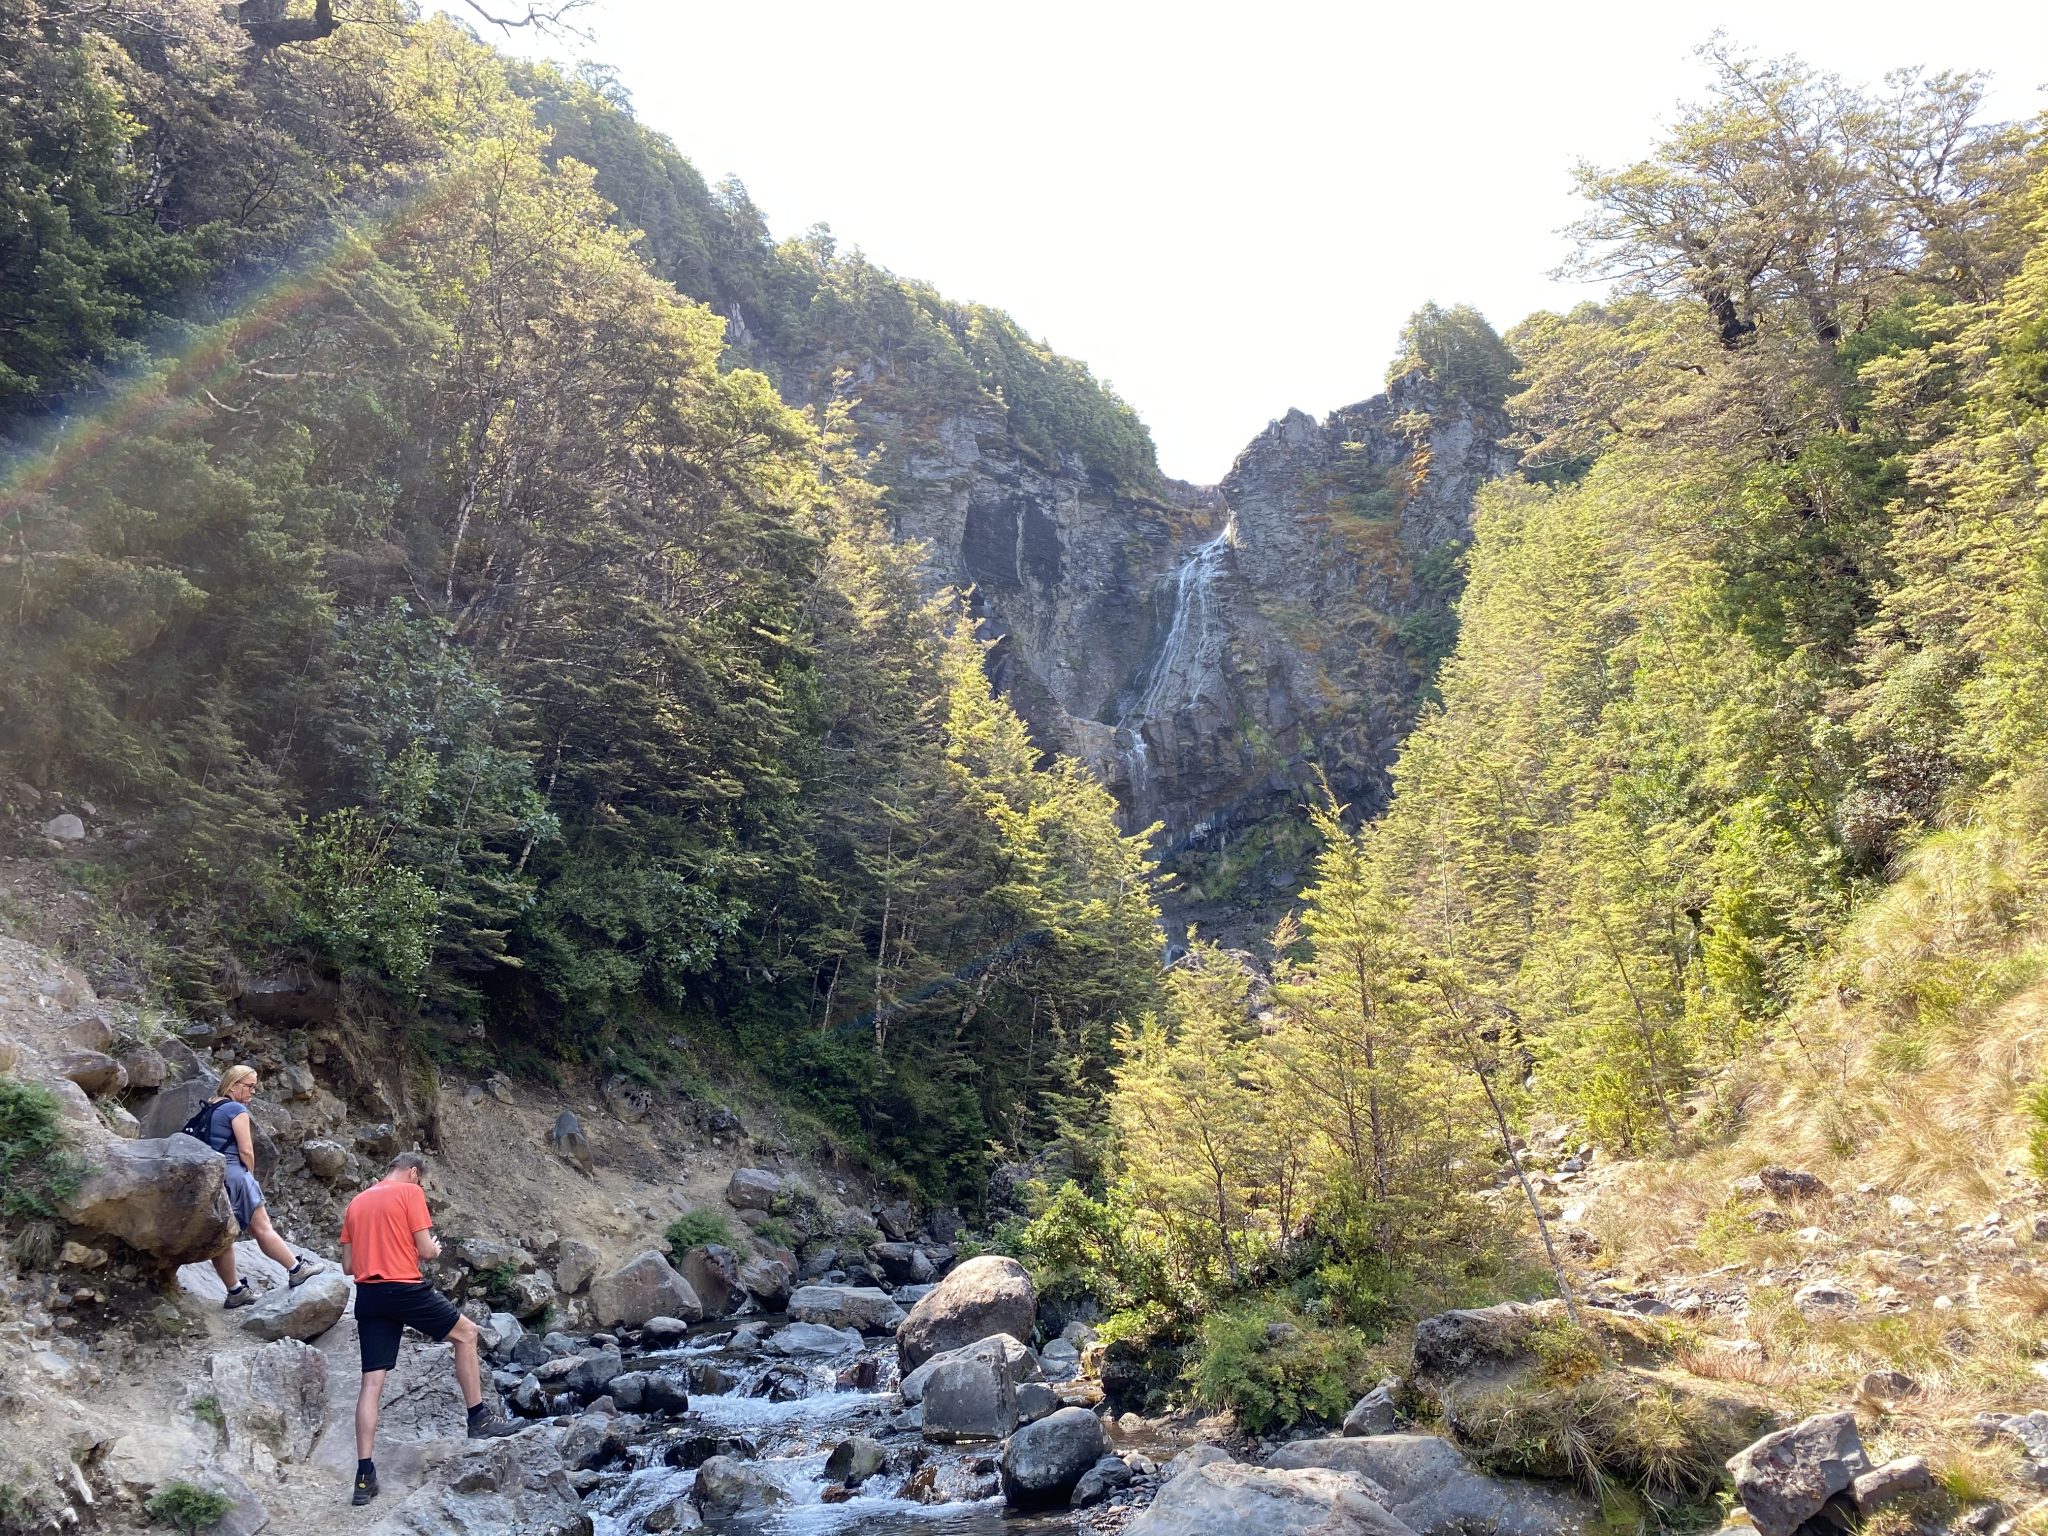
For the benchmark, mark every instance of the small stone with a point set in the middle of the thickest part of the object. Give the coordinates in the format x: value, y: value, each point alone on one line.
x: 1889, y: 1386
x: 64, y: 829
x: 326, y: 1160
x: 1824, y: 1298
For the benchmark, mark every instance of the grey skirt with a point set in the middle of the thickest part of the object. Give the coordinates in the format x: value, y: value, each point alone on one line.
x: 244, y: 1194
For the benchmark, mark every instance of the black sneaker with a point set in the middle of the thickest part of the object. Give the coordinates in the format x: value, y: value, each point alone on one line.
x: 243, y: 1295
x: 366, y: 1488
x: 491, y: 1426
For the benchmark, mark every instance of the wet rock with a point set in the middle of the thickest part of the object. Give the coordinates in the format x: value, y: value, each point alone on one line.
x: 901, y: 1263
x: 593, y: 1372
x: 168, y: 1197
x: 768, y: 1281
x: 1787, y: 1478
x: 727, y: 1486
x: 753, y: 1189
x: 305, y: 1313
x: 1100, y: 1481
x: 970, y: 1398
x: 1892, y: 1481
x: 1430, y: 1487
x: 1372, y: 1414
x: 575, y: 1263
x: 1034, y: 1401
x: 1227, y: 1498
x: 675, y: 1515
x: 567, y: 1141
x: 986, y: 1295
x: 1043, y: 1461
x: 1002, y: 1352
x: 709, y: 1379
x: 854, y: 1460
x: 645, y: 1287
x: 846, y: 1306
x: 713, y: 1271
x: 816, y: 1339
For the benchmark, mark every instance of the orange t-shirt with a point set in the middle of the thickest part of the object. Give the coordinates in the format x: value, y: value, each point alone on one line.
x: 378, y: 1228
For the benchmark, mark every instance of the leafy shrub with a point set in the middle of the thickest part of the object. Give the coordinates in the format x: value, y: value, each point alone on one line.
x: 694, y: 1229
x: 1273, y: 1366
x: 38, y: 1171
x: 189, y: 1507
x: 1081, y: 1246
x: 207, y: 1410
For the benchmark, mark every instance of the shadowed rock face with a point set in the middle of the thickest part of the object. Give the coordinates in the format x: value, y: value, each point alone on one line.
x: 1196, y: 645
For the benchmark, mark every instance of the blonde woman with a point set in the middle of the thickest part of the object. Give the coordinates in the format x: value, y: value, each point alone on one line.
x: 227, y: 1132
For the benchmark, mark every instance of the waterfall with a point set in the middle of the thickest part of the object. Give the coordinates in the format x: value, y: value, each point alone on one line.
x: 1194, y: 634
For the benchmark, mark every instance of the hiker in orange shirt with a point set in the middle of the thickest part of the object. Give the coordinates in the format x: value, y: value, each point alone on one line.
x: 385, y: 1233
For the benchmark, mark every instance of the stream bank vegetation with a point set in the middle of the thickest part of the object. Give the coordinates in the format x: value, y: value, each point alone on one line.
x: 1722, y: 843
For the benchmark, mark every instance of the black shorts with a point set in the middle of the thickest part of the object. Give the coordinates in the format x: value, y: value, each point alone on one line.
x: 386, y: 1308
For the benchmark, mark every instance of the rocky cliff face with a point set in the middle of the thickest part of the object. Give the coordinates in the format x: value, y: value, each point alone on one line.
x: 1207, y: 648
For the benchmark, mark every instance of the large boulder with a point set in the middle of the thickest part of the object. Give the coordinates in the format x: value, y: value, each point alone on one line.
x: 987, y: 1295
x: 491, y: 1488
x: 846, y: 1306
x: 970, y: 1398
x: 94, y: 1071
x: 166, y: 1196
x: 305, y: 1313
x: 1787, y: 1478
x: 727, y: 1486
x: 901, y: 1263
x: 768, y: 1281
x: 575, y: 1265
x: 1015, y: 1361
x: 145, y: 1066
x: 645, y: 1287
x: 1429, y: 1485
x: 854, y: 1460
x: 1043, y: 1461
x: 1227, y: 1498
x: 272, y: 1400
x: 713, y: 1271
x: 752, y: 1189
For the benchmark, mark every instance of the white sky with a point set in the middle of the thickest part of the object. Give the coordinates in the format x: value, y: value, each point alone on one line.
x: 1224, y: 210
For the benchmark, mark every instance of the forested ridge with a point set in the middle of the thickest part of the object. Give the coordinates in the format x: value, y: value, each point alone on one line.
x: 409, y: 527
x: 388, y: 536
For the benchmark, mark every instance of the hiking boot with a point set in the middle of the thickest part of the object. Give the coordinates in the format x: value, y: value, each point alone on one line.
x: 492, y: 1426
x: 302, y: 1271
x: 366, y: 1488
x: 243, y: 1295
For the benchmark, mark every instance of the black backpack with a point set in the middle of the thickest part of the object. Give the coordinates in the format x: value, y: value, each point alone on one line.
x: 202, y: 1122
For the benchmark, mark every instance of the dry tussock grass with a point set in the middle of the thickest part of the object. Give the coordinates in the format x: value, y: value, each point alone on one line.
x: 1907, y: 1072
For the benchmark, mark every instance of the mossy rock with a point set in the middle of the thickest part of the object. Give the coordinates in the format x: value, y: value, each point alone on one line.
x: 1526, y: 1391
